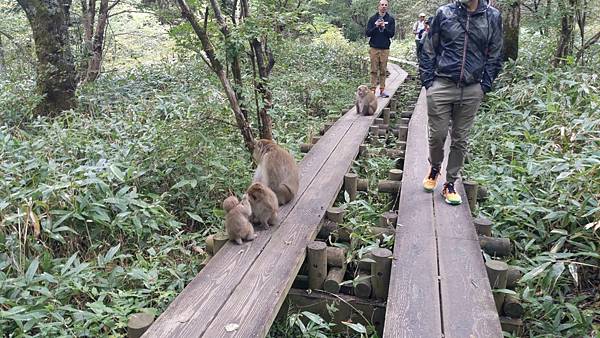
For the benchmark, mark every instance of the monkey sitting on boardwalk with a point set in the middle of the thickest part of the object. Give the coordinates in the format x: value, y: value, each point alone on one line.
x: 264, y: 204
x: 276, y: 169
x: 236, y: 220
x: 366, y: 102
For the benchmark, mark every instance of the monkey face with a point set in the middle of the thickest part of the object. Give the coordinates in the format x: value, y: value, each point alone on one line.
x: 362, y: 90
x: 230, y: 203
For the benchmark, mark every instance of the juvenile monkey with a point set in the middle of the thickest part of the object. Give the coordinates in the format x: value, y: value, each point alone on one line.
x: 264, y: 204
x: 276, y: 169
x: 236, y: 221
x: 366, y: 102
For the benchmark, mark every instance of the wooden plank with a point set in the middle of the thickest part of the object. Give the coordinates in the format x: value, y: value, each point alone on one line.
x: 413, y: 308
x: 468, y: 307
x: 202, y: 298
x: 255, y: 302
x: 200, y: 302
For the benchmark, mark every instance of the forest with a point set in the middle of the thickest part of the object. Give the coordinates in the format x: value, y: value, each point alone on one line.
x: 125, y: 123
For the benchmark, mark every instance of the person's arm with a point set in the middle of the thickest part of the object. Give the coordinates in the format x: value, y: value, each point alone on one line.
x: 430, y: 51
x: 390, y: 28
x: 415, y: 26
x: 371, y: 26
x: 493, y: 63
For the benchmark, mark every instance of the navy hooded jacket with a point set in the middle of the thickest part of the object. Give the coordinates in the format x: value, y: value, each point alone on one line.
x: 380, y: 39
x: 463, y: 47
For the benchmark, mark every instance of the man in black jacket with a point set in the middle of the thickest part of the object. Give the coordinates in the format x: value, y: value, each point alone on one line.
x: 461, y: 58
x: 380, y: 29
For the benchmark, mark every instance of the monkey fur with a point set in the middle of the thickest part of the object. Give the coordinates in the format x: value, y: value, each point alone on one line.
x: 366, y: 102
x: 236, y: 220
x: 276, y: 169
x: 264, y: 204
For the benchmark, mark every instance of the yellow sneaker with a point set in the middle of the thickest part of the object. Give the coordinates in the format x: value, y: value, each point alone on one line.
x: 431, y: 180
x: 450, y: 195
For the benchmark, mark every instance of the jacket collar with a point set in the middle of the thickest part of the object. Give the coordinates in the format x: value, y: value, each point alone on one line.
x: 481, y: 7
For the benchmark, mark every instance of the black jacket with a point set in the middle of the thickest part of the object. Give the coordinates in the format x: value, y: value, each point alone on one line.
x: 381, y: 38
x: 444, y: 53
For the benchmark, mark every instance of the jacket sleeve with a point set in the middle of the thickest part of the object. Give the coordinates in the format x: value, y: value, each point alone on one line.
x: 493, y: 63
x: 431, y: 46
x: 371, y: 27
x: 390, y: 28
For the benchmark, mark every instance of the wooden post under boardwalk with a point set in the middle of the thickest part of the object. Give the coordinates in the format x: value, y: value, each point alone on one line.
x: 362, y: 287
x: 483, y: 226
x: 334, y: 278
x: 471, y: 191
x: 138, y: 324
x: 336, y: 257
x: 388, y: 219
x: 317, y: 264
x: 220, y: 238
x: 386, y: 116
x: 380, y: 272
x: 350, y: 185
x: 495, y: 246
x: 395, y: 174
x: 512, y: 277
x: 336, y: 214
x: 496, y: 271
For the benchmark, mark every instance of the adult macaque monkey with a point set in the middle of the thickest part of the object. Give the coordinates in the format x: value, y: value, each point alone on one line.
x: 366, y: 102
x: 264, y: 204
x: 236, y: 220
x: 276, y: 169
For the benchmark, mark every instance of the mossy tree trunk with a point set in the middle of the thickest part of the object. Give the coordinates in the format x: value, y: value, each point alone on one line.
x: 511, y: 18
x: 567, y: 25
x: 56, y: 76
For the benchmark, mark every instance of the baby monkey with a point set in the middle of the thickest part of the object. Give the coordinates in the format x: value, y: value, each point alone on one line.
x: 264, y: 204
x: 236, y: 220
x: 366, y: 102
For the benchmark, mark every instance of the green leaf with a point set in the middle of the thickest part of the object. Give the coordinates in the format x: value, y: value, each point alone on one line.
x: 117, y: 172
x: 31, y: 270
x: 356, y: 327
x: 111, y: 252
x: 533, y: 273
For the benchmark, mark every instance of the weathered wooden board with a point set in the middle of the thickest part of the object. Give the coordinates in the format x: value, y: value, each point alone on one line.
x: 413, y: 307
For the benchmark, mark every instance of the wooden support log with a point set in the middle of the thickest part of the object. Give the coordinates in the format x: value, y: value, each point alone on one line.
x: 333, y: 119
x: 364, y: 264
x: 374, y: 131
x: 483, y: 226
x: 138, y: 323
x: 328, y: 228
x: 387, y: 186
x: 495, y: 246
x: 512, y: 277
x: 406, y: 114
x: 210, y: 244
x: 380, y: 272
x: 377, y: 121
x: 512, y: 307
x: 401, y: 145
x: 362, y: 286
x: 305, y: 147
x: 404, y: 121
x: 336, y: 257
x: 513, y: 325
x: 402, y: 133
x: 335, y: 214
x: 471, y: 191
x: 383, y: 127
x: 220, y: 238
x: 399, y: 162
x: 362, y: 184
x: 395, y: 175
x: 363, y: 151
x: 350, y: 183
x: 386, y: 116
x: 392, y: 114
x: 393, y: 104
x: 388, y: 219
x: 393, y: 153
x: 315, y: 139
x: 334, y: 278
x: 496, y: 271
x: 317, y: 264
x: 382, y: 132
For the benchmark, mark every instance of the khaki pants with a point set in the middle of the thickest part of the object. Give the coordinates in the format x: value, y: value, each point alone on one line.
x: 444, y: 104
x: 379, y: 58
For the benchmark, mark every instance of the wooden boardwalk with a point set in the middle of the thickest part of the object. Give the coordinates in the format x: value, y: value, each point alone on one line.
x: 241, y: 289
x: 438, y: 284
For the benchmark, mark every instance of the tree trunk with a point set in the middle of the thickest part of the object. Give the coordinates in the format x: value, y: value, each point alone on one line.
x: 511, y: 17
x: 263, y: 89
x: 56, y: 77
x: 217, y: 67
x: 88, y: 14
x: 95, y: 62
x: 565, y: 40
x: 2, y: 61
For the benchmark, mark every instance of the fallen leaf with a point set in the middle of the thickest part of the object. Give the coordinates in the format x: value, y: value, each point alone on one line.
x: 231, y: 327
